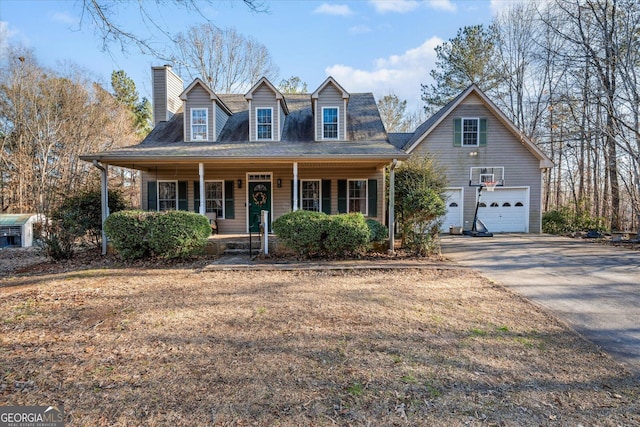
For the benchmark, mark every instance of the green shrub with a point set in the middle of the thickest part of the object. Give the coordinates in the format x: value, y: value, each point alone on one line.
x: 377, y: 231
x: 177, y: 234
x: 317, y: 234
x: 347, y: 233
x: 565, y: 221
x: 302, y: 231
x: 127, y: 231
x: 57, y: 241
x: 81, y: 215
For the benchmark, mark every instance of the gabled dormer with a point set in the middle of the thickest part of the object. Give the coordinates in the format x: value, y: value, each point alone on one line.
x: 267, y: 111
x: 329, y: 103
x: 204, y: 113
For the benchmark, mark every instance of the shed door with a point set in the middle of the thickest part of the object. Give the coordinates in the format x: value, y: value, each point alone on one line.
x: 505, y: 210
x: 453, y: 217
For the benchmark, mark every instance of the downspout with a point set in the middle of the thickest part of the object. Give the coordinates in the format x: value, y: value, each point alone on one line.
x: 392, y: 202
x: 104, y: 200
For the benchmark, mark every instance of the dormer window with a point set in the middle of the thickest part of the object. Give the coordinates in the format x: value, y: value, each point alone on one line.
x: 330, y: 123
x: 265, y: 123
x: 199, y: 124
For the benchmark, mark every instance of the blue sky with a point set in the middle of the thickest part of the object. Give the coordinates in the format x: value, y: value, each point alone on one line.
x: 377, y: 46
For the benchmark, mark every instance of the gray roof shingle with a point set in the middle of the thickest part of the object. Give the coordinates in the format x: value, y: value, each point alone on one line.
x: 366, y: 135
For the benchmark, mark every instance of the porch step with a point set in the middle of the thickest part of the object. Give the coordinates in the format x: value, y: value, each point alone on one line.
x: 240, y: 251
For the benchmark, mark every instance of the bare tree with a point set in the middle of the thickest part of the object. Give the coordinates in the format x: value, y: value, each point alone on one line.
x: 225, y: 59
x: 103, y: 16
x: 50, y: 118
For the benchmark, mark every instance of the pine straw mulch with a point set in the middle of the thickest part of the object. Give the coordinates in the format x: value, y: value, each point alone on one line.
x: 178, y: 346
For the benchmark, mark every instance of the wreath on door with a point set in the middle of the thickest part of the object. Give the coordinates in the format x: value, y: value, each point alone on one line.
x: 259, y: 198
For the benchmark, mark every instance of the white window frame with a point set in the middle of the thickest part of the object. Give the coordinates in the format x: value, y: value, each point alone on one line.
x: 206, y: 199
x: 319, y: 198
x: 158, y: 193
x: 337, y: 124
x: 366, y: 195
x: 258, y: 124
x: 206, y: 124
x: 477, y: 133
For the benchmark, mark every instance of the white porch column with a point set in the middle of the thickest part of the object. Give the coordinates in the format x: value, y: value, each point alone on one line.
x: 392, y: 202
x: 203, y: 202
x: 295, y: 186
x: 104, y: 199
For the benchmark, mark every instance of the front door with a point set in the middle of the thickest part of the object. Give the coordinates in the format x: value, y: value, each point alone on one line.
x: 259, y: 200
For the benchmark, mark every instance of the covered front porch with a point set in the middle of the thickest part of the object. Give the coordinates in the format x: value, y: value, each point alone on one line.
x: 236, y: 192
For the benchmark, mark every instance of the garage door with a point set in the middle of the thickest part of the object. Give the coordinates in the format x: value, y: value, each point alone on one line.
x: 453, y: 217
x: 505, y: 210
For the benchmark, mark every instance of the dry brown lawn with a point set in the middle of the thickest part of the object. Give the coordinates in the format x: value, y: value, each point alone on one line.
x: 181, y: 347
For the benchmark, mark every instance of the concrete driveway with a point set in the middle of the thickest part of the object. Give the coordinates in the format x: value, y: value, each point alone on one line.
x: 592, y: 287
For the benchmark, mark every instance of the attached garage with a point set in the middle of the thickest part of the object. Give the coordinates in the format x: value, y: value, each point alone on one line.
x: 505, y: 210
x: 453, y: 217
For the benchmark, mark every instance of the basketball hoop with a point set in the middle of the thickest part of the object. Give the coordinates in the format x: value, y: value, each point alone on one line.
x: 490, y: 185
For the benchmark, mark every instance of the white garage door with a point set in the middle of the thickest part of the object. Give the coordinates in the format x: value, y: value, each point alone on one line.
x: 505, y: 210
x: 453, y: 217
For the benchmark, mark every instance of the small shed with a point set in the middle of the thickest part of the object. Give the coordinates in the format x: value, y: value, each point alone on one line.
x: 16, y: 230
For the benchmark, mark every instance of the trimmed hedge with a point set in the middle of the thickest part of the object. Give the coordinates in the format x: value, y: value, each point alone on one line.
x: 317, y: 234
x: 377, y: 231
x: 173, y: 234
x: 127, y: 231
x: 178, y: 234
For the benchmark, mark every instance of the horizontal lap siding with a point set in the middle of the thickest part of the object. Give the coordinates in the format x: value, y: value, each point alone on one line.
x: 521, y: 168
x: 330, y: 97
x: 221, y: 120
x: 264, y: 97
x: 281, y: 196
x: 229, y: 226
x: 198, y: 98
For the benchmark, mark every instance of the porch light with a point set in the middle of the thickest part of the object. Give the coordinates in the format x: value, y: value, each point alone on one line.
x: 239, y: 183
x: 279, y: 182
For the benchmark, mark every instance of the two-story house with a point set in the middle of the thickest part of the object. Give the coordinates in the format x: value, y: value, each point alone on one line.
x: 234, y: 155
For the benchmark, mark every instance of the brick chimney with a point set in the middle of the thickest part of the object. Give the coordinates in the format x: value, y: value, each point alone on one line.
x: 167, y: 87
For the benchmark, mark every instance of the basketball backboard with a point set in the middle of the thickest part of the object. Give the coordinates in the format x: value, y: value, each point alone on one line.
x: 479, y: 175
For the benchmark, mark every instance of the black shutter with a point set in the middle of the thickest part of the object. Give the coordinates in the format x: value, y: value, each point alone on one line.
x: 196, y: 196
x: 342, y: 196
x: 372, y: 190
x: 183, y: 202
x: 483, y: 133
x: 457, y: 132
x: 326, y: 196
x: 152, y: 196
x: 229, y: 212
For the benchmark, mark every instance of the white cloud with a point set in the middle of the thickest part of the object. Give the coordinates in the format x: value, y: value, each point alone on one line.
x: 64, y: 18
x: 401, y: 74
x: 445, y: 5
x: 398, y: 6
x: 333, y: 9
x: 499, y: 6
x: 6, y: 34
x: 360, y: 29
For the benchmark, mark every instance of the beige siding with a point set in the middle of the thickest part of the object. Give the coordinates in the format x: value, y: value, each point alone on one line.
x: 198, y: 97
x: 281, y: 197
x: 521, y: 168
x: 167, y: 87
x: 330, y: 97
x: 263, y: 97
x: 221, y: 120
